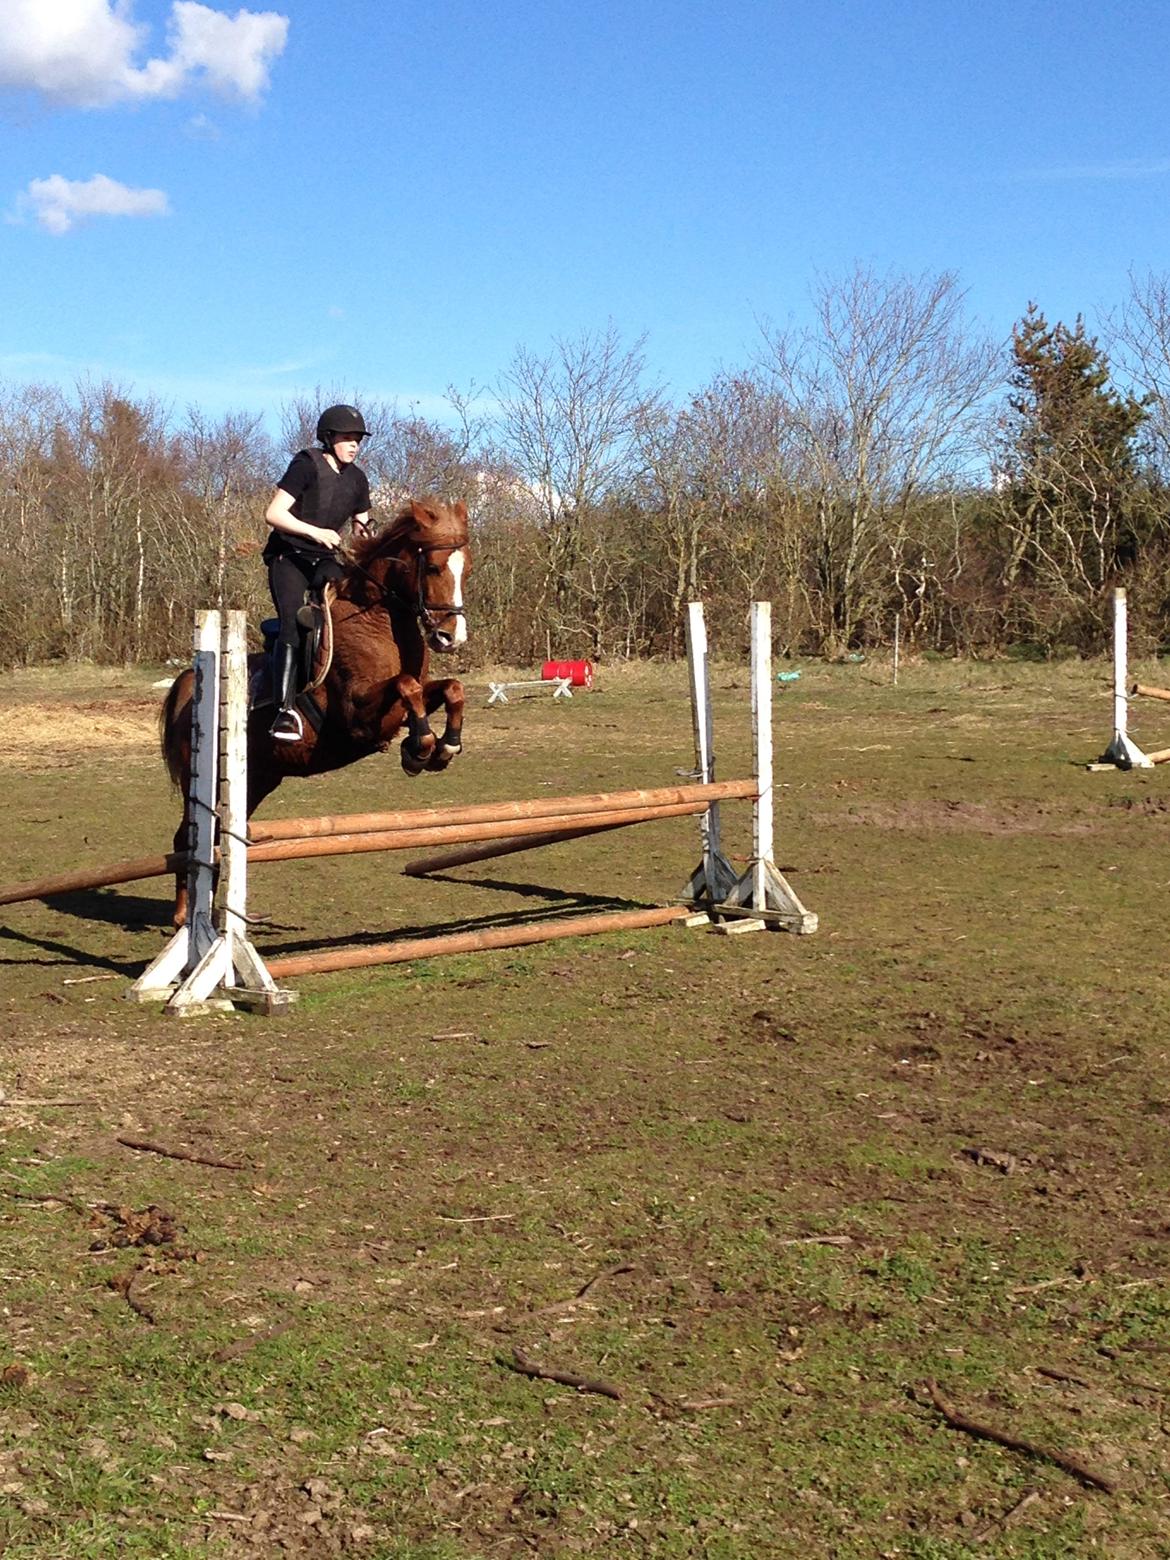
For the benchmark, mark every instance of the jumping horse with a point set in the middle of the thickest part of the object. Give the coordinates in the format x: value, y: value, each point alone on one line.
x: 400, y: 596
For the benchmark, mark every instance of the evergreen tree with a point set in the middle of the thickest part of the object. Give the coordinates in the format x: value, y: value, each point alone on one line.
x: 1071, y: 495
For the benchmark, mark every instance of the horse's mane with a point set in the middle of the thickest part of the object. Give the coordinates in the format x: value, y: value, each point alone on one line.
x: 424, y: 522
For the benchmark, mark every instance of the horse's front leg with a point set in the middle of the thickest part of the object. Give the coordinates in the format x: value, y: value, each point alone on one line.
x: 446, y: 691
x: 418, y: 745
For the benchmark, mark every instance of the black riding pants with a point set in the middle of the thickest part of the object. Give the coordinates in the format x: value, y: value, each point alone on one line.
x: 290, y: 576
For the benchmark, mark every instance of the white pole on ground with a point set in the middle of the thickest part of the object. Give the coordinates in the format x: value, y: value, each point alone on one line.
x: 760, y: 897
x: 897, y: 643
x: 247, y: 981
x: 1122, y: 752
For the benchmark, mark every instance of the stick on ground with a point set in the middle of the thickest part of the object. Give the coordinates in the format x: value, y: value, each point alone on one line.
x: 564, y: 1378
x: 144, y: 1147
x: 1016, y: 1443
x: 122, y: 1285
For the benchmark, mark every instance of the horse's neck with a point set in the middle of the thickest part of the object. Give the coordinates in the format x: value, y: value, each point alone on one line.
x: 374, y: 642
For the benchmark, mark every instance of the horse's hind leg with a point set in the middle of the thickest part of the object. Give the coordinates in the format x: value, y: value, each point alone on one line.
x: 446, y: 691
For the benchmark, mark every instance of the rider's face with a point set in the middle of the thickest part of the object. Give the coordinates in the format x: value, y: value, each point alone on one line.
x: 345, y: 448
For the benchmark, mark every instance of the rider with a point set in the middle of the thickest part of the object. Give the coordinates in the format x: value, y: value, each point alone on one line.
x: 321, y: 490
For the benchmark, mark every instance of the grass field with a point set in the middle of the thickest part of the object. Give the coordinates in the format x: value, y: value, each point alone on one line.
x: 766, y: 1190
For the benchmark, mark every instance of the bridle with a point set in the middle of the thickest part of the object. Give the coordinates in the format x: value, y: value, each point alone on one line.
x: 427, y: 613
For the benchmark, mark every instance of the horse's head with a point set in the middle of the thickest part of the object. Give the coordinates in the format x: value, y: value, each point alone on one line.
x: 426, y: 563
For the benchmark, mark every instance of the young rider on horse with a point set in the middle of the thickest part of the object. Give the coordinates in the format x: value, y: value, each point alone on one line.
x: 320, y: 491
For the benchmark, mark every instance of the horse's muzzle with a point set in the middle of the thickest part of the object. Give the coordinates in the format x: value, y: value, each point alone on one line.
x: 441, y: 641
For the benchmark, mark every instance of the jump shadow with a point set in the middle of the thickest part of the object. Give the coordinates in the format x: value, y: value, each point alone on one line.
x: 557, y: 905
x: 66, y: 953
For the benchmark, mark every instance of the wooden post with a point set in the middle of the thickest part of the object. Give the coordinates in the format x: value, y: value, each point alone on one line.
x: 1121, y: 752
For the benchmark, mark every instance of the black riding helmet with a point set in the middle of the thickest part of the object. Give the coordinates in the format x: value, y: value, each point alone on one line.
x: 337, y: 420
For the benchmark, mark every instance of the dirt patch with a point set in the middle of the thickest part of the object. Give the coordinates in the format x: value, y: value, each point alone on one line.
x: 966, y: 817
x: 39, y: 737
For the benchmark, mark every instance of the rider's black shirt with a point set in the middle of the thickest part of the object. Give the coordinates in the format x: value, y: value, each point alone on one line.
x: 348, y: 494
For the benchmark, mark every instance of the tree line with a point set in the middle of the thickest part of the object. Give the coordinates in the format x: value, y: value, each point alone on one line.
x: 886, y: 461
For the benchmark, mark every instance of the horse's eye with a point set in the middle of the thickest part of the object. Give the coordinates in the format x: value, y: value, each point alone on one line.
x: 434, y: 568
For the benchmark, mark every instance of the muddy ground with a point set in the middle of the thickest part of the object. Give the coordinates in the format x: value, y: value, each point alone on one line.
x: 802, y: 1214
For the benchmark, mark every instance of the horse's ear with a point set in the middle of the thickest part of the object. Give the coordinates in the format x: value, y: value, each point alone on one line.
x: 422, y: 512
x: 460, y: 510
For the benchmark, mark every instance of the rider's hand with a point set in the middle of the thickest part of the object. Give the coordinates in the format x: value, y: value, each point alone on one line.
x: 328, y: 538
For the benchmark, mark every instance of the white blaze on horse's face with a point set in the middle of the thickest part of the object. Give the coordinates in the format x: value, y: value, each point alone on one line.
x: 451, y: 607
x: 455, y: 564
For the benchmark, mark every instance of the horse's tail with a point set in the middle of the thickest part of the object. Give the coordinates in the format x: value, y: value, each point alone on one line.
x: 175, y: 731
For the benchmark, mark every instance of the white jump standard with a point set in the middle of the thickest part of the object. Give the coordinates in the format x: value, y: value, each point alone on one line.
x: 210, y: 964
x: 1122, y: 752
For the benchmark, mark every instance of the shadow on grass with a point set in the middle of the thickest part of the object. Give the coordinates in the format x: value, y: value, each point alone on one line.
x: 556, y: 905
x: 60, y: 953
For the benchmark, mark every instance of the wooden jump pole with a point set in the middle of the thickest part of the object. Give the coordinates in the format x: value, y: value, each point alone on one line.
x: 95, y: 877
x: 494, y: 812
x: 511, y: 843
x: 405, y: 830
x: 458, y: 834
x: 405, y: 951
x: 1152, y: 693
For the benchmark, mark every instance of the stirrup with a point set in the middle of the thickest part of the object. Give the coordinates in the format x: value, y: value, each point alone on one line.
x: 288, y: 726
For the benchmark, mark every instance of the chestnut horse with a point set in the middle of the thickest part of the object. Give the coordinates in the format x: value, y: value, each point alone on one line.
x: 400, y: 596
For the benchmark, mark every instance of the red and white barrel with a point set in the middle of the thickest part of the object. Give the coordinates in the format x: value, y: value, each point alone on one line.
x: 578, y: 673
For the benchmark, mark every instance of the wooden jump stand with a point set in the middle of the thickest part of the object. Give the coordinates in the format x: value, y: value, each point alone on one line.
x: 1122, y: 752
x: 761, y: 896
x: 211, y: 964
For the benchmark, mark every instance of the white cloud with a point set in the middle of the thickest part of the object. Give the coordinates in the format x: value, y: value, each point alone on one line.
x: 82, y: 52
x: 200, y: 128
x: 60, y: 204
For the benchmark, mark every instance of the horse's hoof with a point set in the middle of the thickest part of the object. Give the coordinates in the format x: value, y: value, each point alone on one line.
x: 415, y: 760
x: 441, y: 758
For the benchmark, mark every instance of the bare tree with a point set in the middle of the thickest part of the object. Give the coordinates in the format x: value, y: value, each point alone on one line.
x: 568, y: 425
x: 1139, y: 341
x: 884, y: 394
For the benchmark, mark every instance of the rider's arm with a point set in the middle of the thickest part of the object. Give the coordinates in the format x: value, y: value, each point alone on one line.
x: 280, y: 517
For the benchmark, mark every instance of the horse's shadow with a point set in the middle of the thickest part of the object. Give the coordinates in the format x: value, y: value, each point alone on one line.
x: 126, y: 912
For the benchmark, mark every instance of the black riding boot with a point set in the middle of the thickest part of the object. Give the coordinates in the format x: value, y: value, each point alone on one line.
x: 288, y: 726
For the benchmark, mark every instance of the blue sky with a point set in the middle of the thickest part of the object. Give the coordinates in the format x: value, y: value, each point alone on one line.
x: 390, y: 196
